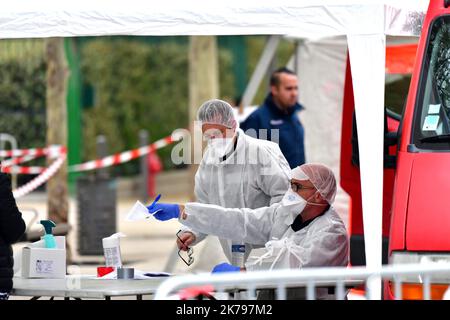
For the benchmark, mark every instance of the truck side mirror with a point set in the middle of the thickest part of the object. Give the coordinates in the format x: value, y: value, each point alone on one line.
x: 390, y: 139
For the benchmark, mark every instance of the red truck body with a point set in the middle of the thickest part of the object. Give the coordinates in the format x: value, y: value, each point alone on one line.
x: 416, y: 189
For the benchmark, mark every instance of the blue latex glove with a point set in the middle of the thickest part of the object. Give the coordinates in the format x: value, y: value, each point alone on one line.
x: 164, y: 211
x: 225, y: 267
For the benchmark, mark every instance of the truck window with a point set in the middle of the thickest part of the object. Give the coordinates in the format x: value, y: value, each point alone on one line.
x: 432, y: 114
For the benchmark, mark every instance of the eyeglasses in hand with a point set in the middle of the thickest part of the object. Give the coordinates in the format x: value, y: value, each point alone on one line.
x: 189, y: 259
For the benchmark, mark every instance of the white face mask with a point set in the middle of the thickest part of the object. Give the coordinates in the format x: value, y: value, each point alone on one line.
x: 293, y: 201
x: 220, y: 146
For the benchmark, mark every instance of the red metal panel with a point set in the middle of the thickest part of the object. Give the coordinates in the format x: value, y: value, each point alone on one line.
x: 400, y: 201
x: 428, y: 220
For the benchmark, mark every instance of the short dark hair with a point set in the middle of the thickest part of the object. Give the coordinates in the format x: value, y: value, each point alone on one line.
x: 275, y: 77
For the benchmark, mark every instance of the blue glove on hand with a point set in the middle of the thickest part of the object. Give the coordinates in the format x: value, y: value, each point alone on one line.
x: 225, y: 267
x: 164, y: 211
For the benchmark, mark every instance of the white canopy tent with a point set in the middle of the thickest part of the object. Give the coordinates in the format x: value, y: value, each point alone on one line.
x: 365, y: 24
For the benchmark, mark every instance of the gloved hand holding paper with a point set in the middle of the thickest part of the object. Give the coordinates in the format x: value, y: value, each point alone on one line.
x: 164, y: 211
x: 160, y: 211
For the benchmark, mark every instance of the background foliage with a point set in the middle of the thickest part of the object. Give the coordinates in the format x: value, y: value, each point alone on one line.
x: 22, y: 101
x: 139, y: 86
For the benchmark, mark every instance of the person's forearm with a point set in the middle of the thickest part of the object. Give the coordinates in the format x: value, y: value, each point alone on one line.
x: 231, y: 223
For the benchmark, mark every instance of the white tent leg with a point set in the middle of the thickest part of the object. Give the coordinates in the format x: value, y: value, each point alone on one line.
x: 367, y: 61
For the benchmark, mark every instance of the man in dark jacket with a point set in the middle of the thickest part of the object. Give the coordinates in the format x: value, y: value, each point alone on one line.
x: 280, y: 111
x: 12, y: 228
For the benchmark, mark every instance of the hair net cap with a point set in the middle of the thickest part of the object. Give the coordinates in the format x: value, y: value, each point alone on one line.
x: 320, y: 176
x: 217, y: 111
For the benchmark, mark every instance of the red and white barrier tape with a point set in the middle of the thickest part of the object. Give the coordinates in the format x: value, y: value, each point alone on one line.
x: 40, y: 179
x: 15, y: 161
x: 33, y: 152
x: 53, y: 151
x: 8, y: 166
x: 23, y: 170
x: 121, y: 157
x: 60, y: 152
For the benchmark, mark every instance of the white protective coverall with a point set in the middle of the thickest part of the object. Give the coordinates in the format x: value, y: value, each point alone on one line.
x: 255, y: 175
x: 323, y: 242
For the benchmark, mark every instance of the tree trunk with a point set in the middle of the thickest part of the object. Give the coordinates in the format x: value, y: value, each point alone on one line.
x: 57, y: 73
x: 203, y: 85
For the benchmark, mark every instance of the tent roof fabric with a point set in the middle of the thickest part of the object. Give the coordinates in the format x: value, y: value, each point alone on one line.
x: 309, y: 19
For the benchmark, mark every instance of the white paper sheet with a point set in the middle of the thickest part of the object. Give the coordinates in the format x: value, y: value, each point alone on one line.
x: 138, y: 212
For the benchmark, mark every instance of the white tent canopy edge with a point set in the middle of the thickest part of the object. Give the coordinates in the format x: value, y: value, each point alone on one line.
x: 307, y: 19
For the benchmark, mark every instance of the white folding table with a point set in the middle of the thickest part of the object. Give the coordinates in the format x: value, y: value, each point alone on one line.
x: 85, y: 287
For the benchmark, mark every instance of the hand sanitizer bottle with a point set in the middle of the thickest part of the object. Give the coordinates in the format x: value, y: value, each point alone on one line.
x: 48, y: 237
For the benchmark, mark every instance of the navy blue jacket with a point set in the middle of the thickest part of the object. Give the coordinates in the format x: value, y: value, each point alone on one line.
x: 291, y: 132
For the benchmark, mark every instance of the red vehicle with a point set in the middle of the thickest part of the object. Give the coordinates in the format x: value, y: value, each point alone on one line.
x: 416, y: 201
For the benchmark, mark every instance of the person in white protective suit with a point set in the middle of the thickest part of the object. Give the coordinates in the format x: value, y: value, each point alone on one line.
x: 236, y: 171
x: 303, y: 230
